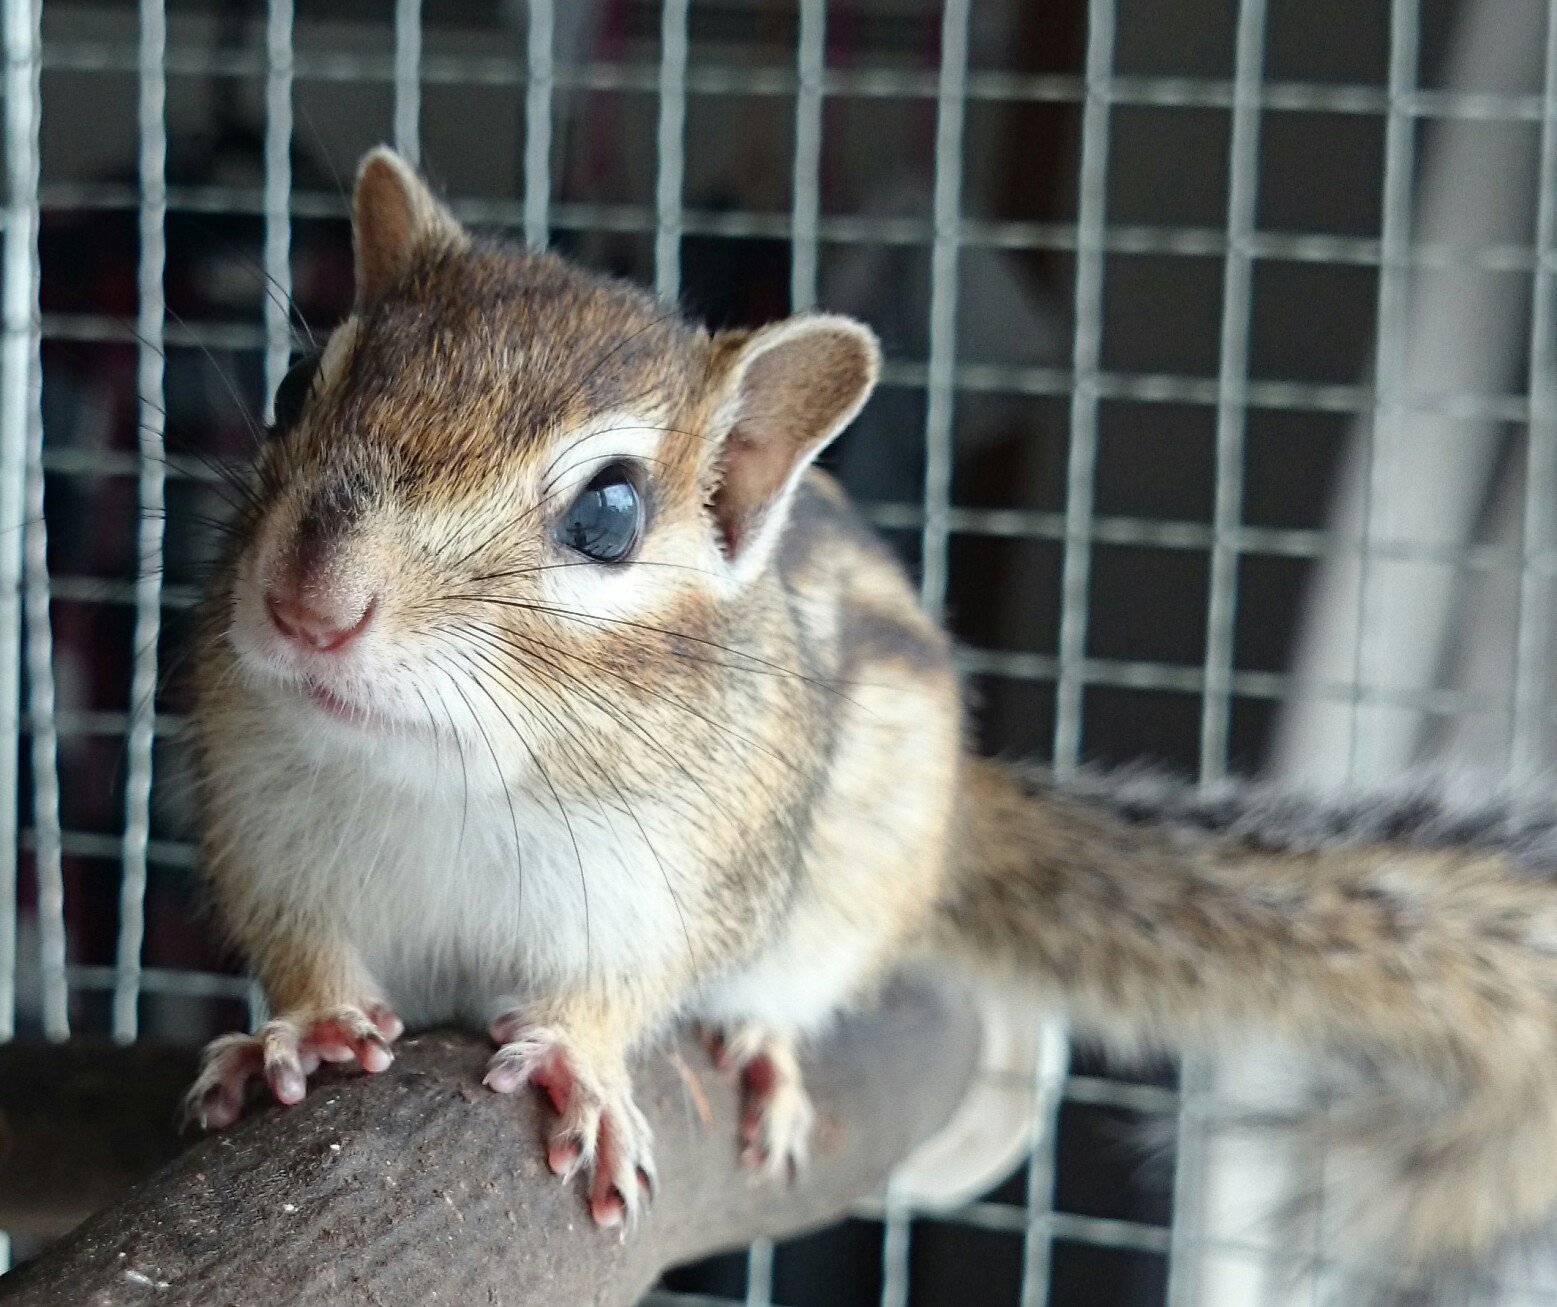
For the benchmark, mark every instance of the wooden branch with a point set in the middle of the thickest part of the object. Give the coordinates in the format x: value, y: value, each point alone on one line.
x: 418, y: 1186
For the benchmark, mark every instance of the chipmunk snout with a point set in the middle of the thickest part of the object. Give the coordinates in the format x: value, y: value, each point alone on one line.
x: 313, y: 622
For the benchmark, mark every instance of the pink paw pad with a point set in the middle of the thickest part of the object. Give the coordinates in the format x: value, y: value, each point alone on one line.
x: 600, y: 1130
x: 776, y: 1112
x: 284, y: 1053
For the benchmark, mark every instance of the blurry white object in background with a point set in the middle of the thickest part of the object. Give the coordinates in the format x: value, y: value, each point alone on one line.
x: 1416, y: 473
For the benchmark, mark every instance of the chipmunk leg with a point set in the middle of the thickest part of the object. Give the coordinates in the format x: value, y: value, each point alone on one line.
x: 327, y: 1010
x: 575, y: 1052
x: 776, y: 1111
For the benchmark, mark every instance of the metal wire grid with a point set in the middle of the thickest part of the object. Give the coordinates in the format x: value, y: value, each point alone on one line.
x: 26, y: 587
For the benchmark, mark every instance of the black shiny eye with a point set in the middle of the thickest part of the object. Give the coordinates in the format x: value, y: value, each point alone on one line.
x: 292, y: 393
x: 606, y: 520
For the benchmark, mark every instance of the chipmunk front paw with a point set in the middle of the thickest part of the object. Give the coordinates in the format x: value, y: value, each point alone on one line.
x: 600, y: 1130
x: 776, y: 1112
x: 284, y: 1052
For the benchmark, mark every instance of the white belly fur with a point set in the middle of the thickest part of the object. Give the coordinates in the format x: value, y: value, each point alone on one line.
x: 453, y: 899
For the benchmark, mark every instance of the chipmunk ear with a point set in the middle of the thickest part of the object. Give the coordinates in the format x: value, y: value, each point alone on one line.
x: 788, y: 390
x: 394, y: 218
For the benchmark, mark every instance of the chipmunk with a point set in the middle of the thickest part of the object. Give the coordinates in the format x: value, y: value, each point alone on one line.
x: 546, y: 684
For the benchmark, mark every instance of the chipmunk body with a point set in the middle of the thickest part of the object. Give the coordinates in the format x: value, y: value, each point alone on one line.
x: 545, y: 685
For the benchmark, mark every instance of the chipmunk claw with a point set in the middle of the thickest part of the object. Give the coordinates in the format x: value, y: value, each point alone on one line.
x: 777, y: 1117
x: 283, y: 1053
x: 600, y: 1130
x: 776, y: 1126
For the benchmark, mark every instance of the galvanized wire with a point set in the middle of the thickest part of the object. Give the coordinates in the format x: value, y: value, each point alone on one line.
x: 151, y: 375
x: 1532, y: 654
x: 806, y: 199
x: 19, y: 394
x: 946, y: 379
x: 538, y: 124
x: 277, y: 270
x: 407, y: 72
x: 672, y: 87
x: 1084, y: 389
x: 941, y: 379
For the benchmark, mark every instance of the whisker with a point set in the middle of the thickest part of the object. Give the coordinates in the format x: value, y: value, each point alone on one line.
x: 565, y: 735
x: 578, y: 687
x: 673, y: 701
x: 525, y: 646
x: 601, y: 619
x: 556, y: 796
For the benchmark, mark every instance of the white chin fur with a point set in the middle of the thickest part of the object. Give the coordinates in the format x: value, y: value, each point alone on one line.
x: 410, y: 726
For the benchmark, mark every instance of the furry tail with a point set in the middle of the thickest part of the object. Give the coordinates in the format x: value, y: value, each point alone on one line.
x: 1413, y: 939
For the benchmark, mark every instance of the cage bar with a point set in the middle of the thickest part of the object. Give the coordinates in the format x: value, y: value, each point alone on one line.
x: 277, y: 270
x: 18, y: 417
x: 1381, y: 438
x: 1532, y: 656
x: 759, y: 1273
x: 1086, y: 355
x: 941, y: 369
x: 1039, y: 1222
x: 1232, y: 380
x: 151, y: 376
x: 407, y: 72
x: 846, y: 229
x: 672, y: 145
x: 1194, y: 1155
x: 538, y: 124
x: 38, y: 653
x: 806, y: 196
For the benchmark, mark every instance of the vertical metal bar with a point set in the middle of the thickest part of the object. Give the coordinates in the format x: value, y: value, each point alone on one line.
x: 40, y: 711
x: 1194, y: 1161
x: 1532, y: 657
x: 759, y: 1274
x: 810, y: 54
x: 258, y: 1005
x: 944, y: 251
x: 1086, y: 353
x: 1092, y: 179
x: 408, y: 80
x: 150, y: 324
x: 278, y: 198
x: 1389, y: 365
x: 806, y: 187
x: 672, y: 144
x: 19, y: 395
x: 1049, y: 1071
x: 1232, y: 377
x: 538, y: 124
x: 947, y: 208
x: 897, y: 1231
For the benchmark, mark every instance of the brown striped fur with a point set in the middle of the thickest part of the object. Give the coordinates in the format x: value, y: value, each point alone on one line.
x: 762, y: 759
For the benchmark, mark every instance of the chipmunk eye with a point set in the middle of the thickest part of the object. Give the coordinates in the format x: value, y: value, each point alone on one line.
x: 292, y: 393
x: 606, y: 520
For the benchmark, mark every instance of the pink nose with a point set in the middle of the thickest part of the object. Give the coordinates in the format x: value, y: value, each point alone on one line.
x: 307, y: 626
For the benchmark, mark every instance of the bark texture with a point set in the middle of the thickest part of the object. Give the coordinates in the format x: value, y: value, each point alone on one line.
x: 419, y: 1186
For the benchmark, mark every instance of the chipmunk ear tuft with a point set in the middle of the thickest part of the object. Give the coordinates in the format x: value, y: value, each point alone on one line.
x: 789, y: 389
x: 395, y: 217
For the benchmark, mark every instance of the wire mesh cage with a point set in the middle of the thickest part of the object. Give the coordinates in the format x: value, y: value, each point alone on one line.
x: 1217, y: 422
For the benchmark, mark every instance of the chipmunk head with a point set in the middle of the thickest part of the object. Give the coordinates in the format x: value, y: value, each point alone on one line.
x: 502, y: 472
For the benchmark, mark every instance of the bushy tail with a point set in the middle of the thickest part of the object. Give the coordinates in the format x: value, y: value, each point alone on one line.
x: 1415, y: 938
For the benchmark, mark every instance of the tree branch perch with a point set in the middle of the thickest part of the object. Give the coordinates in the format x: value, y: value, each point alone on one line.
x: 419, y: 1186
